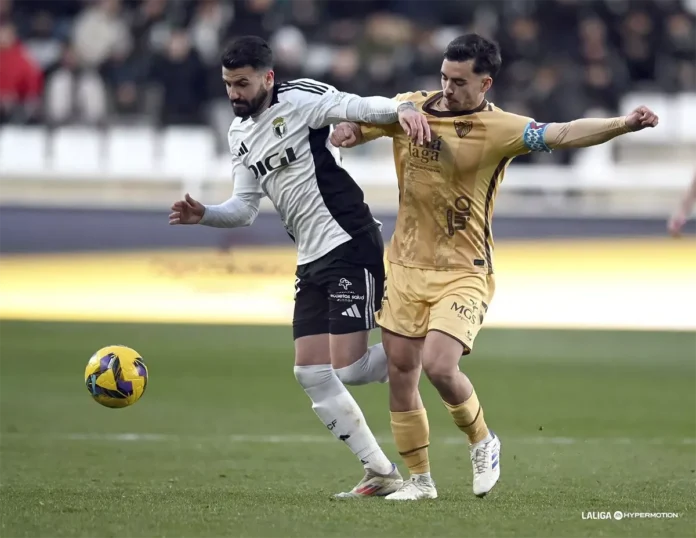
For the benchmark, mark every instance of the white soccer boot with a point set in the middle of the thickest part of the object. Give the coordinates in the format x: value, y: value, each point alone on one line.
x: 485, y: 461
x: 374, y: 484
x: 419, y: 487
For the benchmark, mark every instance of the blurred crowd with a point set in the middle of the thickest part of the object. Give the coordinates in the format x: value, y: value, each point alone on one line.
x: 157, y: 61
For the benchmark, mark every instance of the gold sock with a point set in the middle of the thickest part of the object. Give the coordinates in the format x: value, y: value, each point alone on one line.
x: 412, y: 437
x: 468, y: 416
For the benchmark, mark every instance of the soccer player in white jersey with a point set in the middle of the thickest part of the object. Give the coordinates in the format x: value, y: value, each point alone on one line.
x: 280, y: 148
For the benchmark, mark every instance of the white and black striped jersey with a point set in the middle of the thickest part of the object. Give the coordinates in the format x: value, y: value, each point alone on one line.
x: 284, y: 153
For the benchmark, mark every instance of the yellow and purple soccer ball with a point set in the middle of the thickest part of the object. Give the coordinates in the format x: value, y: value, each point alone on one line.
x: 116, y: 376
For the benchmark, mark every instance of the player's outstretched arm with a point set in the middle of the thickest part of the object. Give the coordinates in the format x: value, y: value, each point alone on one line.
x: 374, y: 110
x: 240, y: 210
x: 587, y: 132
x: 332, y: 107
x: 684, y: 209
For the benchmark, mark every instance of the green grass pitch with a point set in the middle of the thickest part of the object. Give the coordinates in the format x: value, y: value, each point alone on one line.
x: 224, y: 442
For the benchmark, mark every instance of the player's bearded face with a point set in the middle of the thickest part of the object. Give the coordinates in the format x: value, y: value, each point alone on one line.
x: 245, y: 107
x: 247, y: 91
x: 462, y: 89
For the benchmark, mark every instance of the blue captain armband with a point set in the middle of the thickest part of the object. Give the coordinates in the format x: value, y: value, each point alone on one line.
x: 533, y: 137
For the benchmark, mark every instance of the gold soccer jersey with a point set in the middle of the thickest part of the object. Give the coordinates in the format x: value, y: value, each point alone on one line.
x: 447, y: 188
x: 441, y: 255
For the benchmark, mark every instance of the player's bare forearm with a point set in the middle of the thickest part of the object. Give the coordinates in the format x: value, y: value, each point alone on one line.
x: 583, y: 133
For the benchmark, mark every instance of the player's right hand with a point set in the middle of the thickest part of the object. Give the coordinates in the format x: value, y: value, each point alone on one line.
x: 186, y: 211
x: 343, y: 136
x: 641, y: 118
x: 414, y: 124
x: 676, y: 223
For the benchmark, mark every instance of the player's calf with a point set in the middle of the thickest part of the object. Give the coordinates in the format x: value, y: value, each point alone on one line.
x: 441, y: 356
x: 409, y: 419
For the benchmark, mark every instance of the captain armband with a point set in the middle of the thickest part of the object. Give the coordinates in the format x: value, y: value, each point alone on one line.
x: 533, y: 137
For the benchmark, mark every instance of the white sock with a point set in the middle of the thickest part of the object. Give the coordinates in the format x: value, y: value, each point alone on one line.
x: 370, y: 368
x: 482, y: 442
x: 337, y: 409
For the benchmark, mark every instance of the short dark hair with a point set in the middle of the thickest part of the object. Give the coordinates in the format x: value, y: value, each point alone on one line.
x: 484, y: 53
x: 249, y: 51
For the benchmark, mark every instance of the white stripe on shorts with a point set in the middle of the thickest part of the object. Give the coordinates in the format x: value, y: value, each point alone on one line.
x: 369, y: 300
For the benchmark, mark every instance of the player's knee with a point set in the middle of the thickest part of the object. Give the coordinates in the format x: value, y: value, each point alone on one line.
x: 404, y: 356
x: 402, y: 365
x: 439, y: 369
x: 343, y: 358
x: 313, y: 375
x: 370, y: 367
x: 348, y: 363
x: 352, y: 375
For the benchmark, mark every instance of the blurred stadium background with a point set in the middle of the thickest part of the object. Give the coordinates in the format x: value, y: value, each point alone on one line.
x: 113, y: 106
x: 110, y: 110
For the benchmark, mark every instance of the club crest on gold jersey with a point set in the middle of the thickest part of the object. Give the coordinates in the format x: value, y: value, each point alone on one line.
x: 463, y: 128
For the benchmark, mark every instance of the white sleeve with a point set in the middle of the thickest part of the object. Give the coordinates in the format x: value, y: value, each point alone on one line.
x: 331, y: 106
x: 242, y: 208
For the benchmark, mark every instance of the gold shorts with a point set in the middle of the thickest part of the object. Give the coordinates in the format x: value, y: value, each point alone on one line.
x: 420, y: 300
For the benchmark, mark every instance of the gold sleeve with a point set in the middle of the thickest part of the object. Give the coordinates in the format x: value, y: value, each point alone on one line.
x: 507, y: 133
x: 583, y: 133
x: 518, y: 135
x: 370, y: 131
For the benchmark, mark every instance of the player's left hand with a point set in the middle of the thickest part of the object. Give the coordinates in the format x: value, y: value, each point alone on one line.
x: 414, y: 123
x: 186, y: 211
x: 641, y: 118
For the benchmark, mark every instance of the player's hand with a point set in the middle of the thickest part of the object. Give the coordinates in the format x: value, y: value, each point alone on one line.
x: 344, y: 135
x: 641, y: 118
x: 186, y: 211
x: 414, y: 123
x: 676, y: 223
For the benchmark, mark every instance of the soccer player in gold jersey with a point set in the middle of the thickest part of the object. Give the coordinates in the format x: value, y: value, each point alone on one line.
x: 440, y: 279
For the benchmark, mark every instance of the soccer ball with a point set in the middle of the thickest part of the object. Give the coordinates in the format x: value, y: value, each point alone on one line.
x: 116, y: 376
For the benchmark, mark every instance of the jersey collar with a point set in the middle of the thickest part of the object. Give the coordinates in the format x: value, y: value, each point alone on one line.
x: 429, y: 107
